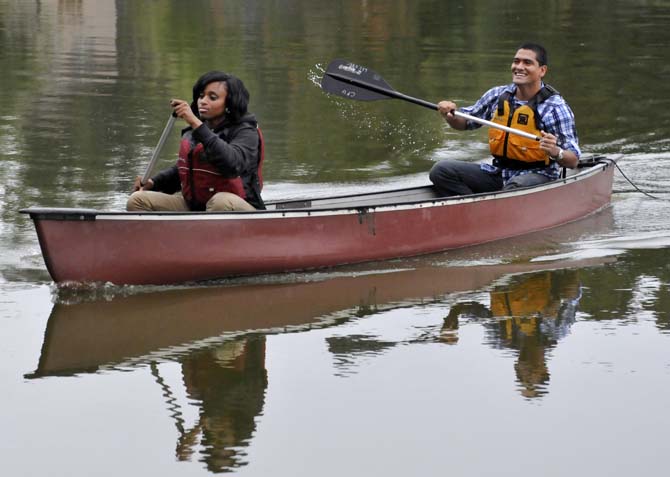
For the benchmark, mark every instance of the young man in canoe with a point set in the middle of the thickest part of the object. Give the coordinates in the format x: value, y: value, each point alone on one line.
x: 220, y: 156
x: 526, y: 104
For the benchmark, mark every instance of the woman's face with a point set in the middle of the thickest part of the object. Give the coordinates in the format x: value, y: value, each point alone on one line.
x: 212, y: 101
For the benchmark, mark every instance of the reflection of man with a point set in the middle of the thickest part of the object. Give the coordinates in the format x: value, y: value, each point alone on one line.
x: 230, y: 383
x: 531, y: 315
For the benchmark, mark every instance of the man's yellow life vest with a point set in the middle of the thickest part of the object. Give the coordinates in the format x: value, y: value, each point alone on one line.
x: 513, y: 151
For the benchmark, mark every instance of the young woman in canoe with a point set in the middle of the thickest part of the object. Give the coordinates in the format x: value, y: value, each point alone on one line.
x: 526, y: 104
x: 220, y: 156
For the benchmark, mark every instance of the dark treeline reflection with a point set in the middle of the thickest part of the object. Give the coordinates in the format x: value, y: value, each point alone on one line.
x: 636, y: 286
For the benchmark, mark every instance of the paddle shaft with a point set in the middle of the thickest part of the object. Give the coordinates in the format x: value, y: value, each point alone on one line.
x: 395, y: 94
x: 159, y: 148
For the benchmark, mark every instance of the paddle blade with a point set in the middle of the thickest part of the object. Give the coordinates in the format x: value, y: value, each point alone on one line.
x: 353, y: 81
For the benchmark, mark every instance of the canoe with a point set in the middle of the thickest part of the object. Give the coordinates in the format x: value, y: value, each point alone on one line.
x: 88, y: 245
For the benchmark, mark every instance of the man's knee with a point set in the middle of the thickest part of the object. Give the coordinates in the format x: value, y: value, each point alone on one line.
x: 440, y: 171
x: 526, y: 180
x: 435, y: 172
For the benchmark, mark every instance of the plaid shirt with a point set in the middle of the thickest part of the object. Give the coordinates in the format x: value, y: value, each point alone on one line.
x: 556, y: 118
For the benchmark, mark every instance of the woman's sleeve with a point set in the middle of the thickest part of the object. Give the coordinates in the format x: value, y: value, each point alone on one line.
x: 231, y: 158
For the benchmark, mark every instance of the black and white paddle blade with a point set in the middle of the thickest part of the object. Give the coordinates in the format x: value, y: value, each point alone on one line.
x: 353, y: 81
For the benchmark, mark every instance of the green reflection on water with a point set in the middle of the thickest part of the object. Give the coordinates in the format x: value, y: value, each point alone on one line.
x: 91, y: 90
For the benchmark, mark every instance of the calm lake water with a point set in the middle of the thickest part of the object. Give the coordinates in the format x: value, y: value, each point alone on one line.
x: 547, y: 354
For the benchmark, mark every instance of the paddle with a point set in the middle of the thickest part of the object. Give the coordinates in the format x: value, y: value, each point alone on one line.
x: 353, y: 81
x: 159, y: 148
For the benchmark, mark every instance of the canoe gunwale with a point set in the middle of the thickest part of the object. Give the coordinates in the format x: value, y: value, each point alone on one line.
x: 84, y: 214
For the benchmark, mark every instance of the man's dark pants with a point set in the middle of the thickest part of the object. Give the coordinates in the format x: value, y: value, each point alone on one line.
x: 451, y: 177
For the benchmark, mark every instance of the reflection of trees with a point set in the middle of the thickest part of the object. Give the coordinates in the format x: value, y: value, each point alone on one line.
x: 275, y: 47
x: 347, y: 349
x: 636, y: 285
x: 529, y: 314
x: 229, y: 382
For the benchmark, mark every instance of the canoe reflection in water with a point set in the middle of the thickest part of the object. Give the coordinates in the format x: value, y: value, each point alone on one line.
x: 530, y: 313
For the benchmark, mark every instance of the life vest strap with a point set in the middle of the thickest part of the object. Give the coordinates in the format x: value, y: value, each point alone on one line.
x: 546, y: 92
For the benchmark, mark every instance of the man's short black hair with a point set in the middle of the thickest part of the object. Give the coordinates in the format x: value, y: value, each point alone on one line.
x: 237, y: 96
x: 540, y: 52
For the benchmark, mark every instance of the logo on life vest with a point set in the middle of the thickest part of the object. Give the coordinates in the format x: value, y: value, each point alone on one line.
x: 523, y: 119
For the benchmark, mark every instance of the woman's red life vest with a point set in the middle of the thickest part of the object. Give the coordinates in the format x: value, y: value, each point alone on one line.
x: 512, y: 150
x: 200, y: 180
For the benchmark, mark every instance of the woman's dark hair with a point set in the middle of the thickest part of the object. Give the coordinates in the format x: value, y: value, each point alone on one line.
x: 540, y: 52
x: 237, y: 96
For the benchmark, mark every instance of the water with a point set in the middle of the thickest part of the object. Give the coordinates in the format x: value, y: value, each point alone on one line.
x: 546, y: 352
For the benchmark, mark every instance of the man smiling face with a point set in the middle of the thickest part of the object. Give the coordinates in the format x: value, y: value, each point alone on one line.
x: 527, y: 73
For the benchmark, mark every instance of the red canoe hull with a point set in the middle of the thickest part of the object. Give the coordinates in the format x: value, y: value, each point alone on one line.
x: 164, y: 248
